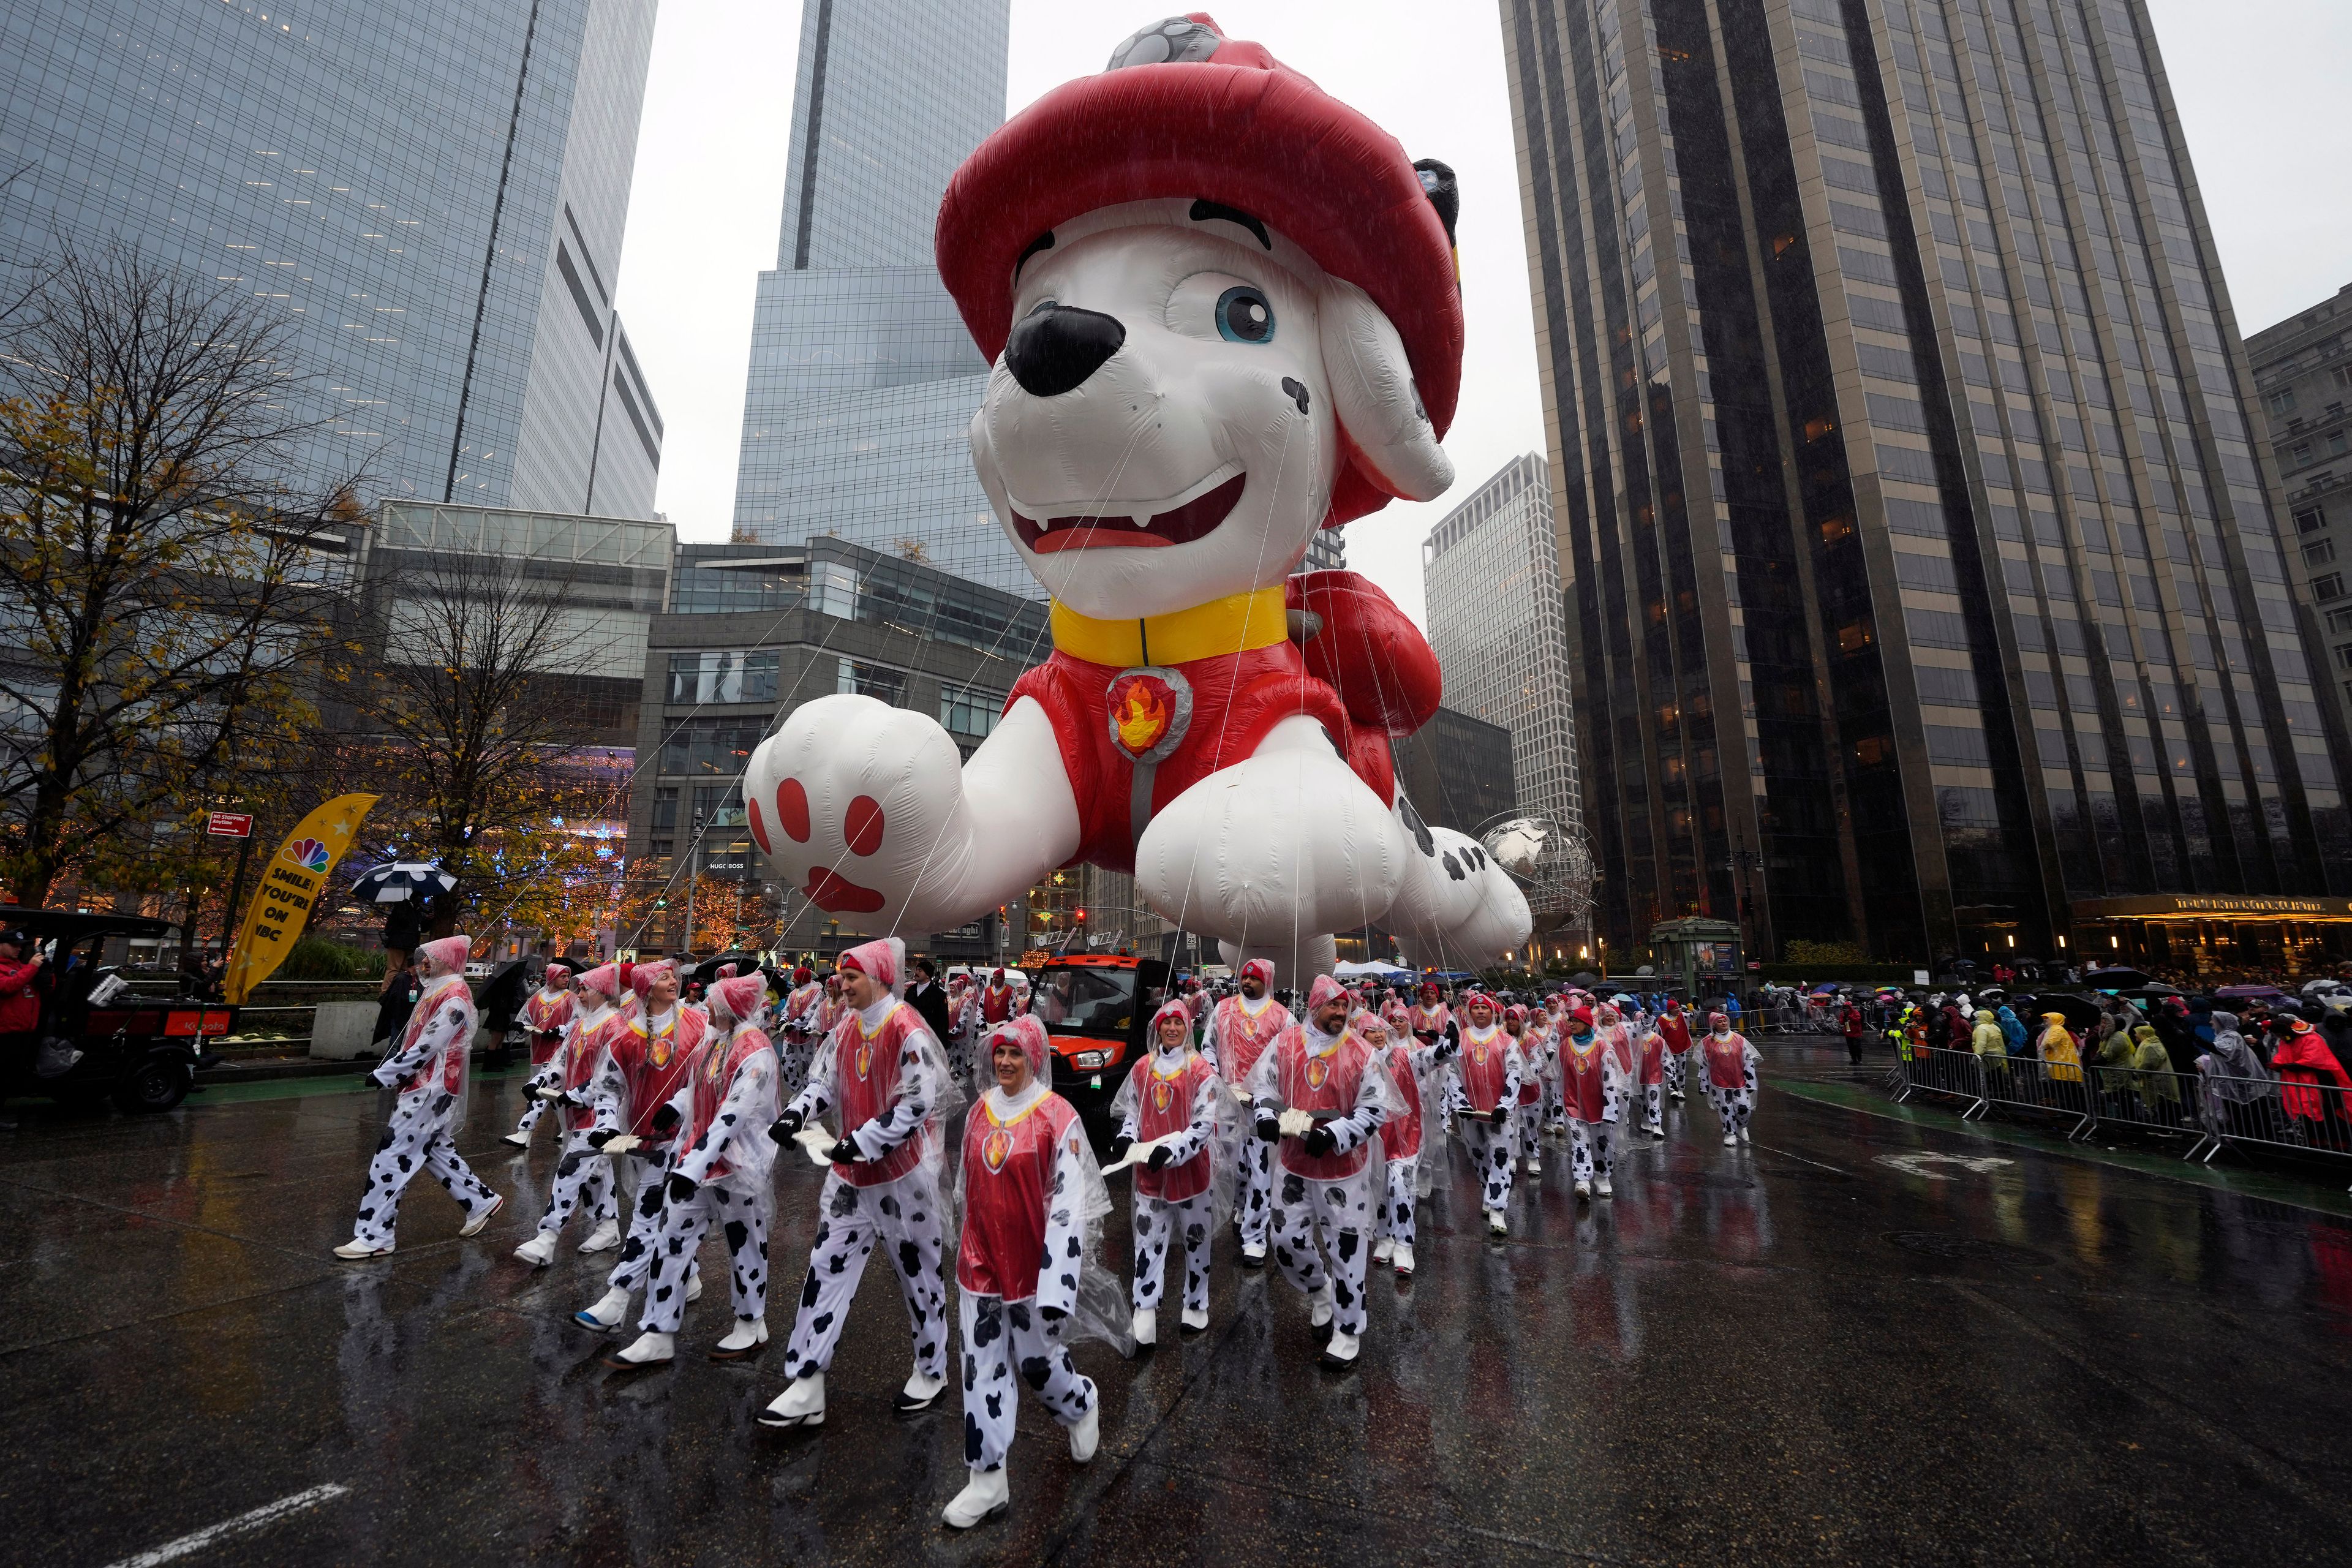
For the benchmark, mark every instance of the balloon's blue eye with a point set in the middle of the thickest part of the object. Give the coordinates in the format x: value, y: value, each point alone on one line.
x: 1244, y: 315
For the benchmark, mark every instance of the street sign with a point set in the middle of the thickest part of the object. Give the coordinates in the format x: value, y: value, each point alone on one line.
x: 229, y: 825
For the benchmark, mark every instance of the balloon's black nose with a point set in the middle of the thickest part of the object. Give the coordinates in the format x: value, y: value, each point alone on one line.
x: 1054, y: 349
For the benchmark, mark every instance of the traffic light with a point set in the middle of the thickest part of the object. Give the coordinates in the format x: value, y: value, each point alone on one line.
x: 1082, y: 917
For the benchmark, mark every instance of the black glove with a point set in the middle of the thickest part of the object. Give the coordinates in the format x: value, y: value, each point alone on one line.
x: 1499, y: 1115
x: 682, y: 1187
x: 666, y: 1118
x: 1318, y: 1142
x: 1120, y: 1145
x: 1453, y: 1035
x: 782, y: 1127
x: 1161, y: 1158
x: 844, y: 1153
x: 1052, y: 1314
x: 602, y: 1136
x: 1269, y: 1128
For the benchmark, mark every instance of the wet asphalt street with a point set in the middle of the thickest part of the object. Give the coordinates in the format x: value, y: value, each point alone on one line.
x: 1870, y: 1337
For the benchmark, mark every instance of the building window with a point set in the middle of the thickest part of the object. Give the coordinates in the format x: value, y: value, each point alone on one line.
x: 2319, y: 552
x: 2340, y: 620
x: 874, y: 680
x: 2341, y: 377
x: 665, y: 810
x: 2299, y: 454
x: 2282, y: 400
x: 2344, y: 655
x: 2336, y: 443
x: 728, y: 676
x: 967, y: 714
x: 2328, y: 587
x: 2308, y: 518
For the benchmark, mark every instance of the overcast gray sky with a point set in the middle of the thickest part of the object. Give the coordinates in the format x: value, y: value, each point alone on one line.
x: 2260, y: 84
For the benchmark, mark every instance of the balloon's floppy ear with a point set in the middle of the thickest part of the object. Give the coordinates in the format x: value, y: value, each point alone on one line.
x: 1372, y: 393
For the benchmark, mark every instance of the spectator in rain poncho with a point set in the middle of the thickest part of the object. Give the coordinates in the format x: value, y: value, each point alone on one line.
x: 2113, y: 1060
x: 2159, y: 1090
x: 2239, y: 1093
x: 2058, y: 1051
x: 2012, y: 1031
x: 1991, y: 1045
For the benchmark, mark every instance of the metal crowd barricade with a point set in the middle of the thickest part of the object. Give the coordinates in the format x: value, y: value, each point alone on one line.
x: 2214, y: 1113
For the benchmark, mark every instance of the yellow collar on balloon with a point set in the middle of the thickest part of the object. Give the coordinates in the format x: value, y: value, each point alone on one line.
x: 1238, y: 622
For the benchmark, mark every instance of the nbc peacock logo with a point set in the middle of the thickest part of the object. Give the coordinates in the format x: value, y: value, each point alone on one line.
x: 308, y: 854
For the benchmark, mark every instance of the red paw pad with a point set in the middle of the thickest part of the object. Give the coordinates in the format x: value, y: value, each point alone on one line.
x: 759, y: 824
x: 791, y: 810
x: 861, y: 825
x: 839, y: 895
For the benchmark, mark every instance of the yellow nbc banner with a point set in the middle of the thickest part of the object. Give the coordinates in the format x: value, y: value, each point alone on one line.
x: 291, y: 880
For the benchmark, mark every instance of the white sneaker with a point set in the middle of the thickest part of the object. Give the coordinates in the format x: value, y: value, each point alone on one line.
x: 1342, y: 1350
x: 1743, y: 1134
x: 539, y: 1251
x: 921, y: 1392
x: 1603, y: 1187
x: 1654, y: 1130
x: 985, y: 1496
x: 1253, y: 1252
x: 1194, y: 1319
x: 1584, y: 1189
x: 694, y: 1284
x: 1495, y: 1224
x: 1730, y: 1139
x: 801, y: 1403
x: 519, y: 1139
x: 604, y: 1239
x: 1404, y: 1260
x: 1383, y: 1249
x: 1535, y: 1166
x: 356, y: 1251
x: 1147, y: 1325
x: 607, y: 1314
x: 474, y: 1225
x: 1318, y: 1307
x: 748, y: 1335
x: 1086, y: 1436
x: 646, y: 1350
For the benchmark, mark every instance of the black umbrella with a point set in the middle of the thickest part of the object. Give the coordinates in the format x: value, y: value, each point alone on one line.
x: 2116, y: 979
x: 399, y: 881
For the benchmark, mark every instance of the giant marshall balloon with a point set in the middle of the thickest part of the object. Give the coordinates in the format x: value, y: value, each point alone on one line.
x: 1224, y: 311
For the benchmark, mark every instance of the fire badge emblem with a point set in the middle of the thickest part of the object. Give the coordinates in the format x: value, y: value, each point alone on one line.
x: 1149, y: 709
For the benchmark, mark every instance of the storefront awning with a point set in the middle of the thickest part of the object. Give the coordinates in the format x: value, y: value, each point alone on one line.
x: 2212, y: 907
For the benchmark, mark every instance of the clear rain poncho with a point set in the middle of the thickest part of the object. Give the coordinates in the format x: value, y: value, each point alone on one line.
x: 2235, y: 1073
x: 1101, y: 1310
x: 1378, y: 1087
x: 948, y: 1096
x: 1227, y: 1117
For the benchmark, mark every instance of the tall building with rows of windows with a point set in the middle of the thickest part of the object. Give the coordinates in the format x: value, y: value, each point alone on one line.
x: 1490, y: 579
x: 863, y: 379
x: 2302, y: 368
x: 1924, y: 582
x: 434, y: 192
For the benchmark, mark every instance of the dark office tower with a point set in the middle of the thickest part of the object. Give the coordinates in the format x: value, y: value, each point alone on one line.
x: 433, y: 191
x: 1924, y: 588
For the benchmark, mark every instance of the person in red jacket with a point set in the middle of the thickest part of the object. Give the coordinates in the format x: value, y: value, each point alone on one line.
x: 1033, y: 1202
x: 1171, y: 1098
x: 1673, y: 1027
x: 20, y: 990
x: 2313, y: 1088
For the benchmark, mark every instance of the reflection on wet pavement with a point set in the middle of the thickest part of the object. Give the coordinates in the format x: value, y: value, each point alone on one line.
x: 1864, y: 1338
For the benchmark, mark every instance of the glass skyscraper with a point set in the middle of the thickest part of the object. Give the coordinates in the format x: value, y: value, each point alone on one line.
x: 1925, y: 589
x: 434, y: 193
x: 863, y: 380
x: 1490, y: 576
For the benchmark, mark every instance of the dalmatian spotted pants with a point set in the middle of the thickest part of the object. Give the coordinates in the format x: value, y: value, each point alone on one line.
x: 416, y: 1139
x: 1491, y: 1156
x: 742, y: 1219
x: 1654, y: 1107
x: 533, y: 1108
x: 1312, y: 1217
x: 1158, y: 1223
x: 645, y: 1225
x: 1529, y: 1120
x: 1733, y: 1107
x: 904, y: 1214
x: 1396, y: 1218
x: 1254, y: 1208
x: 998, y: 1336
x: 1673, y: 1074
x: 591, y: 1178
x: 1591, y: 1144
x: 793, y: 1053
